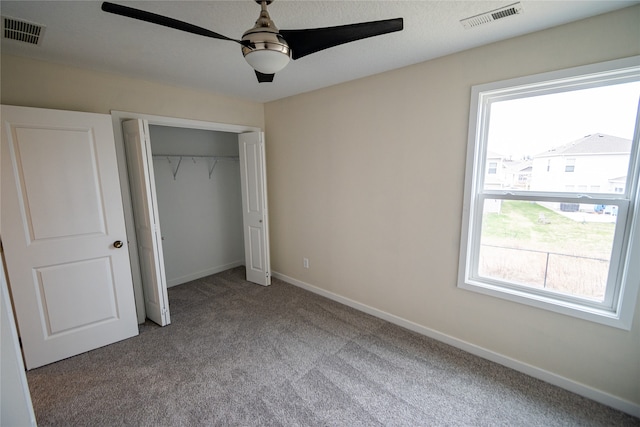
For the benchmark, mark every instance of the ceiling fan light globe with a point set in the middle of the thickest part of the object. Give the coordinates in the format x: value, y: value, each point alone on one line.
x: 267, y: 61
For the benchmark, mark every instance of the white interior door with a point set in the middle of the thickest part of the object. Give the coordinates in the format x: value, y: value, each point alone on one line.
x: 63, y: 232
x: 15, y: 405
x: 254, y: 207
x: 145, y: 212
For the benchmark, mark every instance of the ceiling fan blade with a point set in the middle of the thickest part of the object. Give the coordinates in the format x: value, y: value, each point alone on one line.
x: 264, y: 78
x: 154, y: 18
x: 306, y: 42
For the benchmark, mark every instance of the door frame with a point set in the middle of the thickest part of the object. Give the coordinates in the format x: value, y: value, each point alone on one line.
x: 117, y: 117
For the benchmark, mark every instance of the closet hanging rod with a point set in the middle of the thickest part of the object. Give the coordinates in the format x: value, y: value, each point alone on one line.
x: 193, y: 157
x: 209, y: 156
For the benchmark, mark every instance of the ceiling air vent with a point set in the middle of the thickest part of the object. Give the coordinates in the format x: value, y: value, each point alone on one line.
x: 22, y: 31
x: 493, y: 15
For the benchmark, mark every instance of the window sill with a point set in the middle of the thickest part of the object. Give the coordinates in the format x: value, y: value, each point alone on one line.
x: 597, y: 315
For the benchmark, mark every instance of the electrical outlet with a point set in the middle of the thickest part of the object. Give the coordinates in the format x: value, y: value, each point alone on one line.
x: 305, y: 262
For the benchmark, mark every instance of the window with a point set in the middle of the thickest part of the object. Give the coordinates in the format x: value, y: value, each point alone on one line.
x: 570, y: 165
x: 563, y: 242
x: 493, y: 168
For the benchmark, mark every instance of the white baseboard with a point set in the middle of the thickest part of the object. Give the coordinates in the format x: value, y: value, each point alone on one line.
x: 203, y: 273
x: 541, y: 374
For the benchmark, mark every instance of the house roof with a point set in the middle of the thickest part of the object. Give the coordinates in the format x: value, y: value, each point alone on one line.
x: 494, y: 155
x: 521, y: 166
x: 598, y: 143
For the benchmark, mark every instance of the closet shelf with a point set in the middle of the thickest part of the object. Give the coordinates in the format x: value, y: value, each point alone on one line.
x: 214, y: 160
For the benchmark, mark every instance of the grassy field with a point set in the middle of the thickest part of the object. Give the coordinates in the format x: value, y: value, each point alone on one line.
x: 558, y: 253
x: 518, y: 224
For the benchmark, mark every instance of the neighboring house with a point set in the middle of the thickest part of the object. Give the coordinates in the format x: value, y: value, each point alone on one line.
x: 503, y: 172
x: 594, y: 164
x: 597, y: 163
x: 494, y: 171
x: 522, y: 174
x: 617, y: 185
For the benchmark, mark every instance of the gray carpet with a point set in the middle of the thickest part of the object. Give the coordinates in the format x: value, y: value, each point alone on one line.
x: 238, y: 354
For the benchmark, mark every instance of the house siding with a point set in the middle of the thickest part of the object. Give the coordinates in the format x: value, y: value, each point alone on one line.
x: 591, y: 173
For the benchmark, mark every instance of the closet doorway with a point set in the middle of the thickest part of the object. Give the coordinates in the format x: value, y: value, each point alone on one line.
x: 197, y: 180
x: 195, y: 203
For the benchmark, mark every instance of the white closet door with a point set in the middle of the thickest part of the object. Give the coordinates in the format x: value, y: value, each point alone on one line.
x: 254, y: 207
x: 145, y: 211
x: 63, y: 233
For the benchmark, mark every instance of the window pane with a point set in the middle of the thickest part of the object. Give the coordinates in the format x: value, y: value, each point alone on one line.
x: 579, y: 139
x: 559, y: 247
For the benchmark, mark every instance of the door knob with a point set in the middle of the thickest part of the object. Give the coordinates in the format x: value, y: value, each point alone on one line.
x: 117, y: 244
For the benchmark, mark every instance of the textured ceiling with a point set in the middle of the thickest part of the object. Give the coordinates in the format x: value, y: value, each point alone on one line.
x: 80, y: 34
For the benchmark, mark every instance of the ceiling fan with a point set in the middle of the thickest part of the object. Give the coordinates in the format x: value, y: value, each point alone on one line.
x: 266, y: 48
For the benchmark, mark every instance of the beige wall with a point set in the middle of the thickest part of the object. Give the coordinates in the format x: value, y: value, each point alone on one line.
x: 366, y: 180
x: 31, y: 83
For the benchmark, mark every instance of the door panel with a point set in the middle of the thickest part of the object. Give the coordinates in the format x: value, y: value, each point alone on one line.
x: 254, y: 208
x: 61, y: 213
x: 145, y: 212
x: 256, y: 261
x: 47, y: 218
x: 94, y: 285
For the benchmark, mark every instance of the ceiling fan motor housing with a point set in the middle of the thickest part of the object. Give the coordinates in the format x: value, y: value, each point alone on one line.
x: 264, y: 48
x: 267, y: 52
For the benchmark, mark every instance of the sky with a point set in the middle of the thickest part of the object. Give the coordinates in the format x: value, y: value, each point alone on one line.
x: 530, y: 126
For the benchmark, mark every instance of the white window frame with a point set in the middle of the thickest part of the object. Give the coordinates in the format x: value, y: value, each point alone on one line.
x: 624, y: 275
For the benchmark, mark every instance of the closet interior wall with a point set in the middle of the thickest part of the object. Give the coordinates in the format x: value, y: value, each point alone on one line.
x: 197, y: 178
